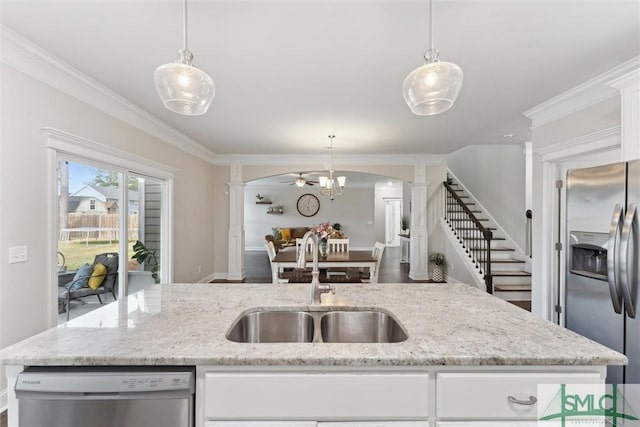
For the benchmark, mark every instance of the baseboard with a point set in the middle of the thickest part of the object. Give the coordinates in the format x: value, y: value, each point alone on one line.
x: 208, y: 278
x: 4, y: 400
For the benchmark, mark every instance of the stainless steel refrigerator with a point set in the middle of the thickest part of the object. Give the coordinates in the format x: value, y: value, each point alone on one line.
x: 603, y: 258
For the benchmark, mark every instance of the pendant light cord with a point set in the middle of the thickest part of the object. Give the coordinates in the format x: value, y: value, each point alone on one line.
x: 184, y: 28
x: 430, y: 24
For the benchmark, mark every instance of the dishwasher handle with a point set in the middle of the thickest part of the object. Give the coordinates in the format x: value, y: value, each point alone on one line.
x: 161, y: 394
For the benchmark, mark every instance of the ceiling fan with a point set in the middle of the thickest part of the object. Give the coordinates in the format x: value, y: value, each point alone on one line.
x: 300, y: 181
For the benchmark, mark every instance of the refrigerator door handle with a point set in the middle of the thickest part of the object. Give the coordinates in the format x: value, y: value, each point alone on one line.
x: 616, y: 219
x: 625, y: 285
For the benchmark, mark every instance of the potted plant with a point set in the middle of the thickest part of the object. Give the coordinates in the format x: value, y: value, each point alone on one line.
x: 439, y: 262
x: 404, y: 224
x: 144, y: 255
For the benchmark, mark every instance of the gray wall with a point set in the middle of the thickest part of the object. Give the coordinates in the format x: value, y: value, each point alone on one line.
x: 348, y: 209
x: 495, y: 175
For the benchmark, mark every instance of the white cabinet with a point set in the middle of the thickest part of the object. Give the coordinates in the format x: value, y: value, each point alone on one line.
x: 488, y: 424
x: 430, y: 396
x: 376, y: 424
x: 495, y: 395
x: 315, y: 396
x: 260, y: 424
x: 316, y: 424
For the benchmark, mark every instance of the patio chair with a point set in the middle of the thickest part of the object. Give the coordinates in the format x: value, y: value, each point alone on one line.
x: 108, y: 285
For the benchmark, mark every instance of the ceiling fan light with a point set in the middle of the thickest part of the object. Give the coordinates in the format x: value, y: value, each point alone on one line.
x: 432, y: 88
x: 183, y: 88
x: 300, y: 182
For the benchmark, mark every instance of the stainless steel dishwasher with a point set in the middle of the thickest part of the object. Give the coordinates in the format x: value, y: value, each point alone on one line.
x: 106, y: 396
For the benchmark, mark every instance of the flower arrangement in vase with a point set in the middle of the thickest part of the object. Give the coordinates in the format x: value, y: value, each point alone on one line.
x: 323, y: 231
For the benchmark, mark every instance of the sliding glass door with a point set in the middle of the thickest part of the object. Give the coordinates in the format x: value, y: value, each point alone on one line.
x: 109, y: 233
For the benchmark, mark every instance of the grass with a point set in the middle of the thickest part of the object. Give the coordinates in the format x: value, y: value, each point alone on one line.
x: 77, y: 252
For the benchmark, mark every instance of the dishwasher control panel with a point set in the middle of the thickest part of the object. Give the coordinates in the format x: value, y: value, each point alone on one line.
x: 103, y: 380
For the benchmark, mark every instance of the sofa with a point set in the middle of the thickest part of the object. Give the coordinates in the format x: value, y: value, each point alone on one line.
x: 282, y: 236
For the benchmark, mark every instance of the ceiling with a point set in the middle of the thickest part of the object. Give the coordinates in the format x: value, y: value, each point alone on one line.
x: 288, y: 73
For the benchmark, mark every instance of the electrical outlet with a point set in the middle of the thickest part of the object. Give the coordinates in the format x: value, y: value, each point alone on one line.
x: 18, y: 254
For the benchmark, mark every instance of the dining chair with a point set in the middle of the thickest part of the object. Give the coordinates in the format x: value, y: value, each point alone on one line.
x: 299, y: 243
x: 376, y: 252
x: 271, y: 251
x: 337, y: 245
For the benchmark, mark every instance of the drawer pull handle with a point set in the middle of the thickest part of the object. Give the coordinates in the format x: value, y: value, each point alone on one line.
x: 532, y: 400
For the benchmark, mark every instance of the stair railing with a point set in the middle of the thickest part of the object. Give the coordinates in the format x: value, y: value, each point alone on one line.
x: 475, y: 238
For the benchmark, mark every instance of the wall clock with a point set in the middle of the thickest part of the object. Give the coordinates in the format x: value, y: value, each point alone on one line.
x: 308, y: 205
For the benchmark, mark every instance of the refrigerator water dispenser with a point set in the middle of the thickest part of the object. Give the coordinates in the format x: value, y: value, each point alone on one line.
x: 589, y: 254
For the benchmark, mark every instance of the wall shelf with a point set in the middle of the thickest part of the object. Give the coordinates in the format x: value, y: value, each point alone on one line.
x: 263, y: 202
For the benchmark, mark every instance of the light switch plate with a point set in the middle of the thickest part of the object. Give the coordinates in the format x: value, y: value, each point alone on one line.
x: 18, y: 254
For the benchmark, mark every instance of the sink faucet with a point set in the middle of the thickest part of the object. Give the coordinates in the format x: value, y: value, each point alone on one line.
x: 316, y: 288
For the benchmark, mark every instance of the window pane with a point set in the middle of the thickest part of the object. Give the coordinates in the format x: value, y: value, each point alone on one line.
x: 145, y: 225
x: 88, y: 252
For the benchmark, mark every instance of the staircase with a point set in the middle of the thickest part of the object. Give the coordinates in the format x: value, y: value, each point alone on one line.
x: 488, y: 251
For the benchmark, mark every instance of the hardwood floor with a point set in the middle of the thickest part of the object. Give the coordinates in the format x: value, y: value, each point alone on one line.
x: 258, y: 268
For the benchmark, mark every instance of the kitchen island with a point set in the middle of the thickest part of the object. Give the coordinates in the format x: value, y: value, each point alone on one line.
x: 457, y: 335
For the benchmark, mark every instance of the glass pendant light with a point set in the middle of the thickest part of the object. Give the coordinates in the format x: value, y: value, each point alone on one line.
x: 433, y: 87
x: 183, y: 88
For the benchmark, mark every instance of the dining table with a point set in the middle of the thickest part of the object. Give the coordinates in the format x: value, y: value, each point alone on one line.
x: 359, y: 259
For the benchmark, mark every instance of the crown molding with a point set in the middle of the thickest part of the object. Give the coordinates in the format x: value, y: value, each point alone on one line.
x: 629, y: 80
x: 344, y: 159
x: 602, y: 140
x: 27, y: 57
x: 580, y: 97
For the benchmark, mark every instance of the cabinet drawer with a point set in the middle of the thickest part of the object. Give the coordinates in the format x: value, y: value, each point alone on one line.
x: 286, y: 396
x: 471, y: 395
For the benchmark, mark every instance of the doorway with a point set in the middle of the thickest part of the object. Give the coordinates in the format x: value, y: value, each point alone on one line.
x: 392, y: 215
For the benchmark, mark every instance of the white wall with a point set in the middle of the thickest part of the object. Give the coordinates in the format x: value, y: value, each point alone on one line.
x: 495, y: 175
x: 598, y: 117
x: 27, y: 106
x: 349, y: 209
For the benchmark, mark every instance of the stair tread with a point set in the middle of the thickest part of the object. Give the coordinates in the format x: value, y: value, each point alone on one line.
x: 511, y: 288
x: 458, y: 220
x: 473, y: 228
x: 482, y: 238
x: 510, y: 273
x: 456, y: 204
x: 505, y: 261
x: 493, y: 249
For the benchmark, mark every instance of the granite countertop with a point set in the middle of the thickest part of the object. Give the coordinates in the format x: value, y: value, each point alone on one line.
x: 185, y: 324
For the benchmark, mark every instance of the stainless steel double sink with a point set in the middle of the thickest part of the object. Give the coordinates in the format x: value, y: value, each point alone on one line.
x: 338, y: 325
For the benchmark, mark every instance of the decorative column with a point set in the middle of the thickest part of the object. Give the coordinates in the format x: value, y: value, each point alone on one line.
x: 419, y: 247
x: 629, y: 86
x: 236, y: 223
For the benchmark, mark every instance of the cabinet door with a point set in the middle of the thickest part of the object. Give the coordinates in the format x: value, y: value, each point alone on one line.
x: 376, y: 424
x: 475, y: 396
x: 285, y: 396
x: 488, y: 424
x: 260, y: 424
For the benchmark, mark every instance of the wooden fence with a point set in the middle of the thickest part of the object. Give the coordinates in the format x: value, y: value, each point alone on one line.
x: 106, y: 225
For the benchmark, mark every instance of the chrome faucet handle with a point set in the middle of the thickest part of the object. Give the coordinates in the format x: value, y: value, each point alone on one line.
x: 326, y: 288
